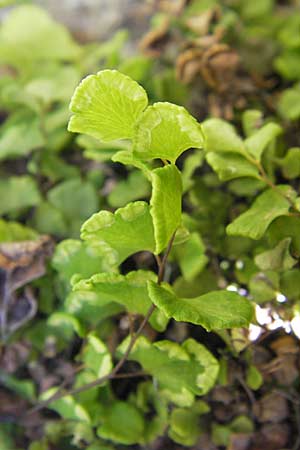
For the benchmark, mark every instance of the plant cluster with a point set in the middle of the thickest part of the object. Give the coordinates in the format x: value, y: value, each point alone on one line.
x: 168, y: 230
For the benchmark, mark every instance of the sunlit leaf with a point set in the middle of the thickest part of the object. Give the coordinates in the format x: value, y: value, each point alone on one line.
x: 165, y: 131
x: 165, y: 204
x: 107, y: 105
x: 129, y: 230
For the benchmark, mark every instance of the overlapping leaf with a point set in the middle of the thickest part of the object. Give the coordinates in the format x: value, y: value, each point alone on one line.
x: 182, y: 371
x: 107, y: 106
x: 215, y: 310
x: 270, y: 204
x: 127, y: 231
x: 128, y: 290
x: 165, y: 131
x: 165, y: 204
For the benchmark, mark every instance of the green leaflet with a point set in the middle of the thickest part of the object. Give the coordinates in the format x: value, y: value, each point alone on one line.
x: 215, y: 310
x: 191, y: 256
x: 270, y: 204
x: 129, y: 230
x: 89, y: 307
x: 67, y: 407
x: 107, y: 105
x: 135, y: 187
x: 19, y: 135
x: 18, y: 193
x: 165, y: 131
x: 251, y: 121
x: 290, y: 164
x: 258, y: 141
x: 231, y: 165
x: 254, y: 378
x: 14, y: 232
x: 65, y: 324
x: 185, y: 423
x: 165, y: 204
x: 149, y: 401
x: 29, y: 35
x: 182, y: 371
x: 73, y: 257
x: 122, y: 423
x: 128, y: 290
x: 289, y: 103
x: 278, y: 258
x: 96, y: 357
x: 220, y: 136
x: 69, y: 204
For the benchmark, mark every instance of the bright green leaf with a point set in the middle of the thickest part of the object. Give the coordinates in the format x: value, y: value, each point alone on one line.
x: 129, y: 230
x: 165, y: 131
x: 165, y: 204
x: 107, y: 105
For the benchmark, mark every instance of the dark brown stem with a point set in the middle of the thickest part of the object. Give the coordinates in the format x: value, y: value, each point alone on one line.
x: 58, y: 395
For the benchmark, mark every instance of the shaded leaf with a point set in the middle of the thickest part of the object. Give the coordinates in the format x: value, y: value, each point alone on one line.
x: 278, y: 258
x: 135, y: 187
x: 182, y: 371
x: 191, y: 256
x: 220, y: 136
x: 123, y: 423
x: 258, y: 141
x: 270, y: 204
x: 17, y: 193
x: 73, y: 257
x: 30, y: 35
x: 128, y: 290
x: 230, y: 165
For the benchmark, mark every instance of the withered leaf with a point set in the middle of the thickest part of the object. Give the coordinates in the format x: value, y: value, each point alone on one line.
x: 20, y: 263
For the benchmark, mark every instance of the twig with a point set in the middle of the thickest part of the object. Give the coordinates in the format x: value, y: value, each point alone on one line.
x: 58, y: 395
